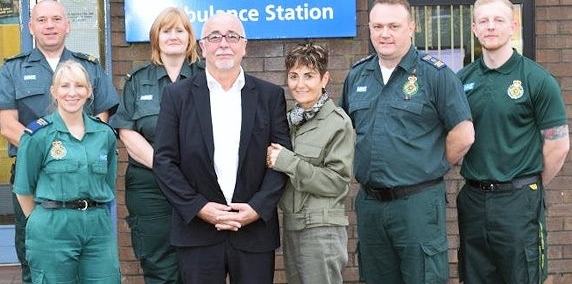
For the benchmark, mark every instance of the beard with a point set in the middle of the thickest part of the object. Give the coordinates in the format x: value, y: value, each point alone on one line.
x: 494, y: 45
x: 225, y: 64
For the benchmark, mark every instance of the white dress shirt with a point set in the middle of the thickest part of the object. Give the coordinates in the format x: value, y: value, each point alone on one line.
x: 226, y: 113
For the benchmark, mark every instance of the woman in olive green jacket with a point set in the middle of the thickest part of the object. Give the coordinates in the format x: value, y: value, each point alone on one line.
x: 320, y: 170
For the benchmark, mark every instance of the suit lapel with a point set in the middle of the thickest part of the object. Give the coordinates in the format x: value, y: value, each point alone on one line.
x: 202, y: 100
x: 249, y: 96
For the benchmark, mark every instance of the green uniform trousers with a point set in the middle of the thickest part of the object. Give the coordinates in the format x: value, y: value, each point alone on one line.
x: 150, y: 223
x: 404, y: 240
x: 315, y: 255
x: 72, y: 246
x: 503, y: 235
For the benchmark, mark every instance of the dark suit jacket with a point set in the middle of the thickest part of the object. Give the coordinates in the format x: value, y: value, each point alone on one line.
x: 184, y: 166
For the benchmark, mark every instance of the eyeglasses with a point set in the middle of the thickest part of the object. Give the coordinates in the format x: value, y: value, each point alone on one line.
x: 230, y: 38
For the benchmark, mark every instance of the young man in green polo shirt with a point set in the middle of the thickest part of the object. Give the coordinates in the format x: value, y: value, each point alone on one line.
x: 521, y: 141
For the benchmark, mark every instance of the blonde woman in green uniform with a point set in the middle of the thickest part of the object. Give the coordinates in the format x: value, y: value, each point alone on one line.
x: 320, y: 170
x: 65, y: 181
x: 25, y: 95
x: 173, y: 57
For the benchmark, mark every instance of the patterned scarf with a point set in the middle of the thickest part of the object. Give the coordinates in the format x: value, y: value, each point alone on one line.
x: 299, y: 116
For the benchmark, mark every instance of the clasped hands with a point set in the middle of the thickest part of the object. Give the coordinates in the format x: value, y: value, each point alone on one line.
x: 228, y: 217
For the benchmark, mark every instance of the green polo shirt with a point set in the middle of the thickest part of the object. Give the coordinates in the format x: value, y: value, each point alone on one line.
x: 54, y: 165
x: 510, y: 106
x: 402, y: 126
x: 25, y: 81
x: 139, y: 108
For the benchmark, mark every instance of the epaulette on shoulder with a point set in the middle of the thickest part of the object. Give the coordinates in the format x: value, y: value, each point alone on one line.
x: 338, y: 110
x: 434, y: 61
x: 24, y: 54
x: 363, y: 60
x: 34, y: 126
x: 85, y: 56
x: 200, y: 64
x: 136, y: 69
x: 95, y: 118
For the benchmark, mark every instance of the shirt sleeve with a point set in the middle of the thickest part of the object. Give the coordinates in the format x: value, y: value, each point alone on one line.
x: 28, y: 165
x: 7, y: 89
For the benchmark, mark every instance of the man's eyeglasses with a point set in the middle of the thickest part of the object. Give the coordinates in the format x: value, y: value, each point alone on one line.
x: 230, y: 38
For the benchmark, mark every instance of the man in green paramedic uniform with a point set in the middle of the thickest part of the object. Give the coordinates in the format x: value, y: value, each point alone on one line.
x: 25, y: 96
x: 521, y: 143
x: 412, y: 122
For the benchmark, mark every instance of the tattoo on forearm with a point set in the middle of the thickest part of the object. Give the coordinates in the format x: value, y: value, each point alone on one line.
x: 555, y: 133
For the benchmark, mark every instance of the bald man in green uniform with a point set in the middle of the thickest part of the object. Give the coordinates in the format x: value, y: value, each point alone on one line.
x: 521, y: 143
x: 412, y: 122
x: 25, y: 96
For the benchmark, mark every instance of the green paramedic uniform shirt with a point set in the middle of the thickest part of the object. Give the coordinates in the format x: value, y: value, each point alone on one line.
x: 54, y: 165
x: 142, y: 96
x: 510, y: 105
x: 402, y: 126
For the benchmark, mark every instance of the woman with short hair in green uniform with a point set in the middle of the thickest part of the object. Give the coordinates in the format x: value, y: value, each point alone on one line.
x: 65, y: 182
x: 173, y: 57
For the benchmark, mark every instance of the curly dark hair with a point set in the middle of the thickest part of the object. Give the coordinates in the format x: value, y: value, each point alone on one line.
x: 307, y: 54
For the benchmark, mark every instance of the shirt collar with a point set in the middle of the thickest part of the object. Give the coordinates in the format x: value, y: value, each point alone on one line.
x: 60, y: 126
x: 507, y: 67
x: 213, y: 84
x: 184, y: 73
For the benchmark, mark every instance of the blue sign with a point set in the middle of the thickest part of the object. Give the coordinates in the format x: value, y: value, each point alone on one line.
x: 262, y: 19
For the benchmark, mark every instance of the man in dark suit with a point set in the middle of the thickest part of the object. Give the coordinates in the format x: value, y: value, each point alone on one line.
x: 210, y: 161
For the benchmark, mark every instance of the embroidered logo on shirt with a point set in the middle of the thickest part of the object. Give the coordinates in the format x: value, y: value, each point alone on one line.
x: 58, y: 150
x: 468, y: 87
x: 361, y: 89
x: 533, y: 186
x: 411, y: 87
x: 515, y: 90
x: 146, y: 98
x: 103, y: 156
x: 29, y: 77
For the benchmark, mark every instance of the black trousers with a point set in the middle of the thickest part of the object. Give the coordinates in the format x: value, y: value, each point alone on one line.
x: 213, y: 264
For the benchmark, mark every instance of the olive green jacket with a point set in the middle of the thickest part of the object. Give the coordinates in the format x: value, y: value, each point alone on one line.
x: 319, y: 170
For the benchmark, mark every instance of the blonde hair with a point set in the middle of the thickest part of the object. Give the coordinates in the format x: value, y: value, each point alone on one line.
x: 169, y: 18
x: 479, y: 3
x: 72, y: 69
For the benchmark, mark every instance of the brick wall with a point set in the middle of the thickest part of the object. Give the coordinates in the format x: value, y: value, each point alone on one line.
x: 265, y: 60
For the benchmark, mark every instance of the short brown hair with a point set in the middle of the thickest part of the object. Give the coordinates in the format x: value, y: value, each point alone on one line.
x: 403, y: 3
x: 168, y: 18
x: 307, y: 54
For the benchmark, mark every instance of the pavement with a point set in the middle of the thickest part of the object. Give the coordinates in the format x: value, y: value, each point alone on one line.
x: 10, y: 274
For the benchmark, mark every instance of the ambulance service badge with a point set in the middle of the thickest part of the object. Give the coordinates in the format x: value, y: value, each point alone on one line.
x: 410, y: 88
x: 515, y: 90
x: 58, y: 150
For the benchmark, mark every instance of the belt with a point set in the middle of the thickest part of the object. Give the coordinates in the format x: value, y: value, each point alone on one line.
x: 514, y: 184
x: 398, y: 192
x: 80, y: 204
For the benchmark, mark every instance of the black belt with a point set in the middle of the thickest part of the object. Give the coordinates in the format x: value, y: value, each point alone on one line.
x: 80, y: 204
x: 392, y: 193
x: 514, y: 184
